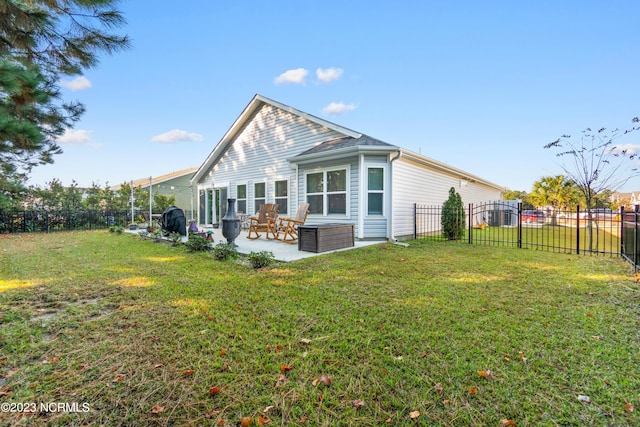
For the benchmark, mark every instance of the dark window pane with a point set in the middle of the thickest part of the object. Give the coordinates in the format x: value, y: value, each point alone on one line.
x: 314, y: 183
x: 315, y: 204
x: 281, y: 188
x: 337, y: 203
x: 282, y: 206
x: 259, y: 191
x: 337, y: 180
x: 376, y: 179
x: 241, y: 192
x: 375, y: 204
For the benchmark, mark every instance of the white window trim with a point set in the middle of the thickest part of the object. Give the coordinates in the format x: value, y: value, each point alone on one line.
x: 385, y: 186
x: 253, y: 193
x: 288, y: 197
x: 325, y: 199
x: 246, y: 196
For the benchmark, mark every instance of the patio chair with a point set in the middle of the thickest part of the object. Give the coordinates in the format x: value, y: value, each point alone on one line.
x: 264, y: 221
x: 287, y: 228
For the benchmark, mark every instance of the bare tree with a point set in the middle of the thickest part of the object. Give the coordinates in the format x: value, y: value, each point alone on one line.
x: 595, y: 163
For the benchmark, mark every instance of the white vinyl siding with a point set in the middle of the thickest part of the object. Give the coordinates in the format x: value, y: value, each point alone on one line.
x: 416, y: 183
x: 260, y: 151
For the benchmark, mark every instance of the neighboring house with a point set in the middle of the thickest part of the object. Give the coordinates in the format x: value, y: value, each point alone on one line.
x: 274, y: 153
x: 628, y: 200
x: 176, y: 184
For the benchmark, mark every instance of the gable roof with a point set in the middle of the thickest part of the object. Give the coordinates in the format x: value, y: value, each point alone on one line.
x: 245, y: 117
x: 344, y: 146
x: 144, y: 182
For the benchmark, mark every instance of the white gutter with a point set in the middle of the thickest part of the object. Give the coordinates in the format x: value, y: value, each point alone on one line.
x: 390, y: 231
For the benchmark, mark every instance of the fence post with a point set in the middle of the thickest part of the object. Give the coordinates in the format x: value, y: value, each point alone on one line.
x: 635, y: 238
x: 415, y: 221
x: 621, y: 215
x: 519, y: 225
x: 577, y: 229
x: 470, y: 225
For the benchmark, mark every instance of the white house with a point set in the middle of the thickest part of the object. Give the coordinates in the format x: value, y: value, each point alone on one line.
x: 274, y: 153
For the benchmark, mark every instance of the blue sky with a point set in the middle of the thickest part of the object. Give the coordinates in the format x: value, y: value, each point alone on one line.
x: 482, y: 86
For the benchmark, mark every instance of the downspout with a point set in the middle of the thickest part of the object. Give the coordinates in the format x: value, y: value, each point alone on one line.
x: 391, y: 233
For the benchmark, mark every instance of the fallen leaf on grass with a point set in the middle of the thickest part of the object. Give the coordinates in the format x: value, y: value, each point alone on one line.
x: 262, y: 421
x: 439, y: 388
x: 118, y: 379
x: 524, y: 359
x: 507, y: 422
x: 414, y: 414
x: 286, y: 368
x: 267, y: 409
x: 245, y: 421
x: 473, y: 390
x: 486, y: 374
x: 158, y: 365
x: 358, y: 403
x: 223, y: 352
x: 214, y: 390
x: 305, y: 341
x: 583, y: 398
x: 220, y: 422
x: 157, y: 409
x: 188, y: 372
x: 628, y: 407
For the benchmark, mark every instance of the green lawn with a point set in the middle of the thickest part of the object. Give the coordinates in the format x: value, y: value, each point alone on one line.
x: 141, y: 333
x: 559, y: 238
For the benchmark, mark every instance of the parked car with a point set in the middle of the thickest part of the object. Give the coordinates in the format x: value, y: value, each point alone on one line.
x: 530, y: 216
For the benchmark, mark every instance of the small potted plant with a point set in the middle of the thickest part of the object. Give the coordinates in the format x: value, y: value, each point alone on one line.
x: 133, y: 226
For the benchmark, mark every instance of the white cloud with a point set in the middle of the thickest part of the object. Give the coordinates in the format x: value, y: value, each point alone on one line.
x: 79, y: 83
x: 328, y: 75
x: 337, y: 108
x: 296, y: 76
x: 177, y: 135
x: 73, y: 136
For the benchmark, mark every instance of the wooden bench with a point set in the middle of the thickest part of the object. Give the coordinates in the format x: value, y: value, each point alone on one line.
x: 325, y: 237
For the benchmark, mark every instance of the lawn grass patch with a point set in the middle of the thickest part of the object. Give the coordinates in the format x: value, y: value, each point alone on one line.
x: 149, y: 334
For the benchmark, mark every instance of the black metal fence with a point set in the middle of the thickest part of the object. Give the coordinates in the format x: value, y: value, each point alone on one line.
x: 506, y: 223
x: 49, y: 221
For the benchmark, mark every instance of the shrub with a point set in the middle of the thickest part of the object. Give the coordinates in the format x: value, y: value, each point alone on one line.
x: 453, y: 216
x: 175, y: 237
x: 197, y: 244
x: 261, y: 259
x: 224, y: 251
x: 116, y: 229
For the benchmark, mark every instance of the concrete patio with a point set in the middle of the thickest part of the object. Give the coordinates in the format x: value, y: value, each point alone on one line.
x: 281, y: 251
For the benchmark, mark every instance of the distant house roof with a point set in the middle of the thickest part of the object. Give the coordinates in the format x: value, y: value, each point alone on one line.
x: 144, y: 182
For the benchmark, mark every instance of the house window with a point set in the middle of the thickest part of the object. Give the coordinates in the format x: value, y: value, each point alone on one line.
x: 241, y: 197
x: 375, y: 191
x: 259, y: 195
x: 282, y: 196
x: 327, y: 192
x: 315, y: 193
